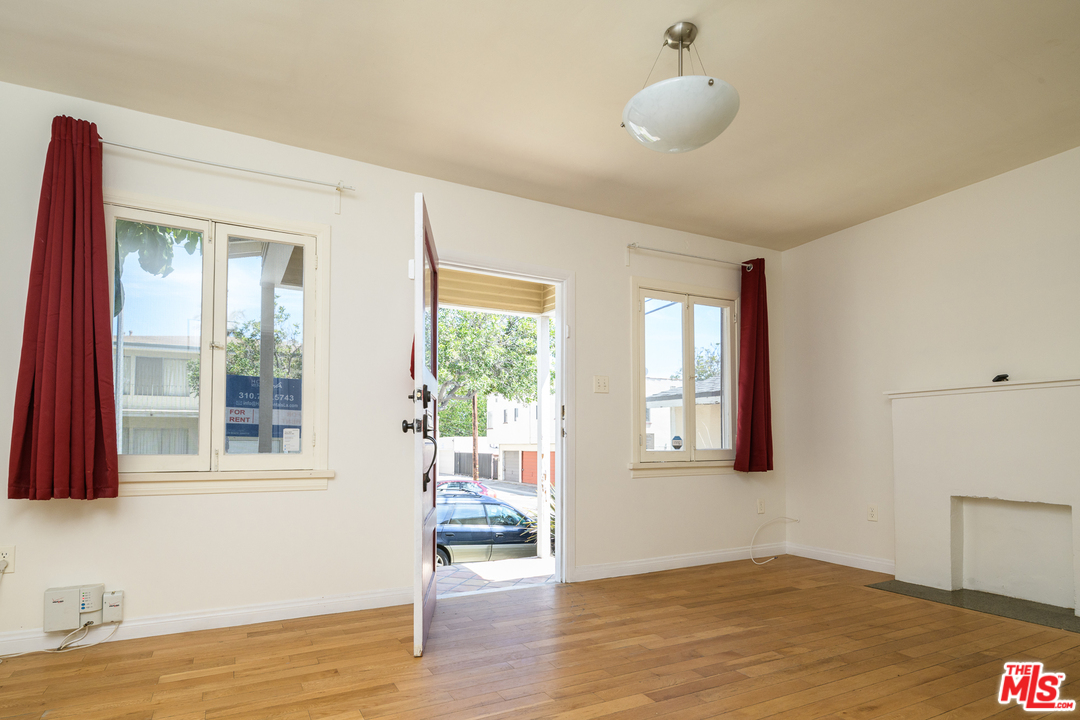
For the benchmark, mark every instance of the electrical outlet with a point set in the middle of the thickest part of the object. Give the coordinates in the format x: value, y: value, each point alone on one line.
x: 760, y: 507
x: 599, y: 383
x: 871, y: 513
x: 8, y: 553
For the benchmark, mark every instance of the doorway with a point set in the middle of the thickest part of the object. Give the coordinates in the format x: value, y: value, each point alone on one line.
x: 503, y: 437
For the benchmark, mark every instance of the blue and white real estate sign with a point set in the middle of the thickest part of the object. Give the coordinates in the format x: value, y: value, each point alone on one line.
x: 242, y: 407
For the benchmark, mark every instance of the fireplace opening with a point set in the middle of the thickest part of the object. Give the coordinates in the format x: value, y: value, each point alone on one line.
x: 1017, y: 549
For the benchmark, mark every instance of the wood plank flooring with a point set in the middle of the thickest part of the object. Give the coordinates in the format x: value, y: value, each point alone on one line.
x: 793, y: 639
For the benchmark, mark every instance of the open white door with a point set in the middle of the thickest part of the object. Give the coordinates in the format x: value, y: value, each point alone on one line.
x: 425, y: 274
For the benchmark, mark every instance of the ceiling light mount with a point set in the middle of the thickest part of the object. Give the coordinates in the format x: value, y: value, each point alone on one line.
x: 680, y: 34
x: 681, y: 113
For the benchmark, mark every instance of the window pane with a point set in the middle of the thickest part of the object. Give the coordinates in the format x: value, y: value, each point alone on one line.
x: 156, y: 338
x: 498, y: 515
x: 265, y: 290
x: 663, y: 375
x: 427, y: 315
x: 469, y: 514
x: 709, y: 373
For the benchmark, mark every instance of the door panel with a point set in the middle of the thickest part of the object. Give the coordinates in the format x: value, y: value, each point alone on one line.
x: 511, y: 536
x: 467, y: 533
x: 425, y: 394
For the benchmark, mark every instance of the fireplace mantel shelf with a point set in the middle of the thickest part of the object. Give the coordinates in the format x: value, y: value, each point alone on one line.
x: 989, y: 387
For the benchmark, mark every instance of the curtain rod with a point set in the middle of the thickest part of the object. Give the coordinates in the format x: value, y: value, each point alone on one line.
x: 635, y: 246
x: 337, y: 186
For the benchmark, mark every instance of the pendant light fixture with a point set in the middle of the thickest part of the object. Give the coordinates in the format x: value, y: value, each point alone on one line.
x: 681, y: 113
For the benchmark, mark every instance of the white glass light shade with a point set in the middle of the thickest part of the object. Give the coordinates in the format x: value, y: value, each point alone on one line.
x: 681, y: 113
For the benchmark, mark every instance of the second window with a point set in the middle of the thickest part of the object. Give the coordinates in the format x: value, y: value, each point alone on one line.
x: 685, y: 382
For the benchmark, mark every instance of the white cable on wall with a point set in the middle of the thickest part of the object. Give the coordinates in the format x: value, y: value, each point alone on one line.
x: 767, y: 522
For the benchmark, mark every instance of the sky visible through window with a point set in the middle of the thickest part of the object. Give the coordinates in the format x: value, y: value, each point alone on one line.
x: 663, y: 338
x: 663, y: 335
x: 170, y: 306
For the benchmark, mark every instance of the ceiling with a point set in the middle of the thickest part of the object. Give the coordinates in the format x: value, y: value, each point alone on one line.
x: 849, y: 109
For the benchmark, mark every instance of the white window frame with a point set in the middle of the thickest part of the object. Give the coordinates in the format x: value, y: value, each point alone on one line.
x: 176, y: 463
x: 688, y: 460
x: 212, y: 470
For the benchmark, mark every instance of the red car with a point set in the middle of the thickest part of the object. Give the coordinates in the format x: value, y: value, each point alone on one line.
x: 476, y: 488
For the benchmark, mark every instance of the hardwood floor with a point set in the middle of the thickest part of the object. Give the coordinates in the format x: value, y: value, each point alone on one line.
x: 796, y: 638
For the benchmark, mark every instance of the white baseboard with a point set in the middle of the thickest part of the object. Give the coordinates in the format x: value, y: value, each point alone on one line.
x: 671, y: 562
x: 34, y: 640
x: 863, y: 562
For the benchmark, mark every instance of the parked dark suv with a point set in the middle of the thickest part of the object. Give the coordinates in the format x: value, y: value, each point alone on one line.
x: 473, y: 528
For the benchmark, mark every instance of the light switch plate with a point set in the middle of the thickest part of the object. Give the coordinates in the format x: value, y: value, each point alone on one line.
x: 599, y: 383
x: 8, y: 553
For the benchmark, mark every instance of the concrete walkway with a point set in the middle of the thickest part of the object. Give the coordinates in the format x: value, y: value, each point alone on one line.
x: 497, y: 575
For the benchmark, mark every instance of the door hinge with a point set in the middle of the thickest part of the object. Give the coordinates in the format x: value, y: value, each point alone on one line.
x: 639, y: 439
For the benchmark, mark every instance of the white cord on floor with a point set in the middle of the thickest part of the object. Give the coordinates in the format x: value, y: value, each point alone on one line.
x: 767, y: 522
x: 67, y: 644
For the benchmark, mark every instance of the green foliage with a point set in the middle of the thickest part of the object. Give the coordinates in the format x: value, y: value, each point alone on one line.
x: 244, y: 343
x: 455, y: 420
x: 486, y: 354
x: 706, y: 363
x: 533, y: 523
x: 154, y: 244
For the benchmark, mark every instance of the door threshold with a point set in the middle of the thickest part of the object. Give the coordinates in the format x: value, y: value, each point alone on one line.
x: 487, y: 590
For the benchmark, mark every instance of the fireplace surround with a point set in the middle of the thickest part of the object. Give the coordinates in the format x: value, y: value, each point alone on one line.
x: 986, y: 488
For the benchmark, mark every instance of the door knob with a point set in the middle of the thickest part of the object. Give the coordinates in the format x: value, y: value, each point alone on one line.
x: 414, y: 425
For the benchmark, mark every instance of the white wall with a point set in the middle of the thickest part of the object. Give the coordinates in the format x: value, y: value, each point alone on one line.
x: 953, y: 291
x: 193, y: 555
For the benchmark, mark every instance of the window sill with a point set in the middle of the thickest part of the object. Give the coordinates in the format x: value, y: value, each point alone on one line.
x: 216, y: 483
x: 677, y: 469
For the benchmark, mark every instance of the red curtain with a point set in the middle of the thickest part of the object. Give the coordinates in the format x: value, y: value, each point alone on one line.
x: 63, y: 439
x: 753, y: 436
